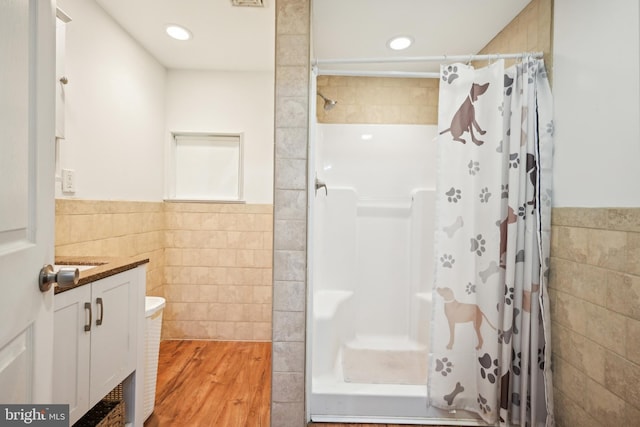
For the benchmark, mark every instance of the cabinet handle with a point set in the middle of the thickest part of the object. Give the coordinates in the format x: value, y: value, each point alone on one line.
x: 87, y: 306
x: 99, y: 302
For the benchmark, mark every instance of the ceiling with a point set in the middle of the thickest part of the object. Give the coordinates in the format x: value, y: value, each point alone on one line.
x: 362, y: 28
x: 243, y: 38
x: 225, y: 37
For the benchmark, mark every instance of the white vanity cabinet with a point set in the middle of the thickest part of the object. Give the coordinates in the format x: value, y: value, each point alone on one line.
x: 97, y: 336
x: 71, y: 351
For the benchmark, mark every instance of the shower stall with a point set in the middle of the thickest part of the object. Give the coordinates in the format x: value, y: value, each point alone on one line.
x: 371, y: 273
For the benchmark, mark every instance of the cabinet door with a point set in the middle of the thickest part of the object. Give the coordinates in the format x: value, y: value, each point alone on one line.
x: 71, y: 351
x: 113, y: 333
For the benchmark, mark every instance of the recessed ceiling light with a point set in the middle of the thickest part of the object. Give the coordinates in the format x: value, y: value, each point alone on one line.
x: 400, y: 43
x: 177, y: 32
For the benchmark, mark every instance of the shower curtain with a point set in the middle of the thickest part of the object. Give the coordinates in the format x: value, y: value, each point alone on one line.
x: 490, y: 333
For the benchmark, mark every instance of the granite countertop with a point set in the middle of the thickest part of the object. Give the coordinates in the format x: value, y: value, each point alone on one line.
x: 104, y: 267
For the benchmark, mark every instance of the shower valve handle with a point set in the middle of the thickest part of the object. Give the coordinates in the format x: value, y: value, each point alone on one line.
x: 320, y: 184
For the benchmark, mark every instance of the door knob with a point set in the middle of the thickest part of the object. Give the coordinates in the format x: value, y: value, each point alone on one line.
x: 66, y: 277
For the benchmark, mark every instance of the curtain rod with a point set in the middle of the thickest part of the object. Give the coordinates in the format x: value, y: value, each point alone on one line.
x: 360, y: 73
x: 439, y: 58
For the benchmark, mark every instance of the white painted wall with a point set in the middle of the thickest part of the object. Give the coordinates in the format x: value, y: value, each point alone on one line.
x: 596, y: 83
x: 121, y: 106
x: 115, y: 104
x: 228, y: 102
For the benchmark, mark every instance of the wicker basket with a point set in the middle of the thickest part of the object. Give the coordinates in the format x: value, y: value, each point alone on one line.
x: 109, y: 412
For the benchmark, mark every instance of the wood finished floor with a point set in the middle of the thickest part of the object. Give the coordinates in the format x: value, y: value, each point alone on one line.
x: 217, y: 384
x: 368, y: 425
x: 212, y: 383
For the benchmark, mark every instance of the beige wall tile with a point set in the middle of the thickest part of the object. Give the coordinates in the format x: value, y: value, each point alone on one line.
x: 617, y: 372
x: 569, y: 413
x: 261, y: 294
x: 288, y: 326
x: 245, y: 239
x: 292, y: 110
x: 290, y: 235
x: 633, y: 253
x: 290, y: 204
x: 606, y: 328
x: 632, y: 414
x: 579, y: 217
x: 208, y: 292
x: 607, y: 249
x: 289, y: 265
x: 623, y: 294
x: 571, y: 312
x: 287, y: 414
x: 569, y: 380
x: 590, y: 284
x: 571, y: 243
x: 378, y: 100
x: 583, y: 281
x: 606, y: 352
x: 288, y: 387
x: 225, y: 330
x: 187, y: 245
x: 624, y: 219
x: 633, y: 340
x: 291, y: 174
x: 296, y: 78
x: 243, y: 331
x: 289, y: 356
x: 292, y: 49
x: 291, y: 296
x: 262, y: 258
x: 592, y: 360
x: 561, y: 272
x: 560, y: 338
x: 262, y: 331
x: 623, y: 378
x: 291, y: 143
x: 604, y: 406
x: 217, y: 311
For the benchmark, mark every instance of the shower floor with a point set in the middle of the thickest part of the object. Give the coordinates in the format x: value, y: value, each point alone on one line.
x: 384, y: 360
x: 335, y: 400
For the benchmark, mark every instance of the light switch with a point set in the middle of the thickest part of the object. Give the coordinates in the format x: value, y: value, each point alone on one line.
x: 68, y: 181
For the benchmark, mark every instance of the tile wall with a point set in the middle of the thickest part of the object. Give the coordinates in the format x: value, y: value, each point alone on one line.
x: 212, y: 262
x: 530, y: 31
x: 113, y: 229
x: 217, y: 269
x: 290, y: 213
x: 595, y: 301
x: 379, y: 100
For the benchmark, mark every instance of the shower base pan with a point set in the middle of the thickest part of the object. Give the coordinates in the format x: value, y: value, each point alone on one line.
x: 338, y: 401
x: 390, y: 360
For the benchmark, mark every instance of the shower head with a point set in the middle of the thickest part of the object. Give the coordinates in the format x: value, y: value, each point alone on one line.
x: 328, y: 103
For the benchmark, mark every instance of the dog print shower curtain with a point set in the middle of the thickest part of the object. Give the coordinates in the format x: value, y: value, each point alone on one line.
x: 490, y: 334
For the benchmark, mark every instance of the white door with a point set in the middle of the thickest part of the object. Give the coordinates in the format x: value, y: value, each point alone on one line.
x: 27, y: 123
